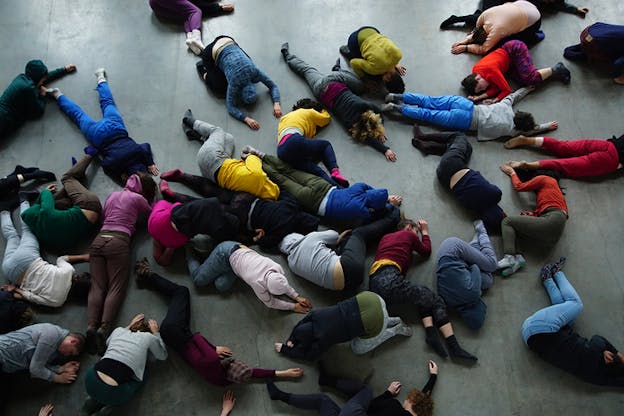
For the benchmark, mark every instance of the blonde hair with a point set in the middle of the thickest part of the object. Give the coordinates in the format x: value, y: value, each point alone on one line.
x: 369, y: 126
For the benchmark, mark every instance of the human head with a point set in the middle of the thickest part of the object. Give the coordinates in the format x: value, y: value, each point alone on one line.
x: 248, y: 94
x: 475, y: 84
x: 277, y: 284
x: 72, y: 344
x: 36, y: 70
x: 479, y: 35
x: 369, y: 126
x: 524, y: 121
x: 140, y: 326
x: 308, y: 103
x: 407, y: 224
x: 148, y: 186
x: 394, y: 82
x: 419, y: 402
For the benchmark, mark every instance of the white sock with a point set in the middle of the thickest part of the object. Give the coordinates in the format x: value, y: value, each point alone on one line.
x: 539, y: 141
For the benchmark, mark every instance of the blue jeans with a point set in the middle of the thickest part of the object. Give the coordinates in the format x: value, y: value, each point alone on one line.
x: 19, y: 252
x: 449, y: 111
x: 216, y: 268
x: 566, y: 306
x: 303, y: 154
x: 96, y: 132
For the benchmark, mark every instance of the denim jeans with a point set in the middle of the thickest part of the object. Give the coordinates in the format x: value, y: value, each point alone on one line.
x: 566, y: 306
x: 19, y: 252
x: 449, y: 111
x: 216, y: 268
x: 96, y: 132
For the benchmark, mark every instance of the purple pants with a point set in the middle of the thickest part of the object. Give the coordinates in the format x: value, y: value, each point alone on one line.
x: 185, y: 11
x: 521, y: 68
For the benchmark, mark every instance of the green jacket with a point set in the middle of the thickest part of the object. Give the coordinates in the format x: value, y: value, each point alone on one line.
x: 21, y: 100
x: 60, y: 229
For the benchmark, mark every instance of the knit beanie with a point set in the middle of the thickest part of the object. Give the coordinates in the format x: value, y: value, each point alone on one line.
x: 35, y: 70
x: 248, y: 94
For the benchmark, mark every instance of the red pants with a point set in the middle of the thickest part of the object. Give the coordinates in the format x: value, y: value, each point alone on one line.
x: 588, y: 157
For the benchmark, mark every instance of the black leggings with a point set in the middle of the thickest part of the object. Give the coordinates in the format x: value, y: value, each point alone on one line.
x: 205, y: 216
x: 175, y: 328
x: 455, y: 158
x: 359, y: 393
x: 353, y: 251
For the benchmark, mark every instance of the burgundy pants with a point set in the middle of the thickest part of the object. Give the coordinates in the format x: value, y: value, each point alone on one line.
x: 582, y: 158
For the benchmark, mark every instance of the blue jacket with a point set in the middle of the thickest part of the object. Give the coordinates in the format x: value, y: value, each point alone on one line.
x: 357, y: 201
x: 122, y: 155
x: 241, y: 74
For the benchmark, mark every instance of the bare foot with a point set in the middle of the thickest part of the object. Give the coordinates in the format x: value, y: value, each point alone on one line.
x: 517, y: 164
x: 290, y: 373
x: 227, y: 7
x: 517, y: 142
x: 619, y: 80
x: 395, y: 200
x: 278, y: 346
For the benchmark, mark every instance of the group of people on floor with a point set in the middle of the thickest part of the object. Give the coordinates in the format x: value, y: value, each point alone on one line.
x: 280, y: 201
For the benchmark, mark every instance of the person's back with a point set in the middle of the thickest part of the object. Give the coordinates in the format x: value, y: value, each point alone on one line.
x: 124, y: 156
x: 132, y: 348
x: 122, y: 208
x: 47, y: 284
x: 238, y: 68
x: 310, y: 257
x: 396, y: 248
x: 492, y: 67
x: 357, y: 201
x: 379, y: 55
x: 56, y: 228
x: 21, y: 101
x: 247, y: 176
x: 305, y: 120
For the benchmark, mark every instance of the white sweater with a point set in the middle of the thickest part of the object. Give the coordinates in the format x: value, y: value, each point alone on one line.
x: 47, y: 284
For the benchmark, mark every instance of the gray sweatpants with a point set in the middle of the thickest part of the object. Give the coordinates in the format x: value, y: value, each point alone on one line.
x: 546, y: 228
x: 318, y: 81
x: 19, y: 252
x: 218, y: 146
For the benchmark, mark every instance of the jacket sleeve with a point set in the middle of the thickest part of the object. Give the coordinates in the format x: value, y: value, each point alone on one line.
x: 46, y: 199
x: 272, y: 86
x: 230, y: 100
x: 157, y: 347
x: 377, y: 145
x: 56, y: 74
x: 422, y: 247
x: 44, y: 352
x: 428, y: 388
x: 534, y: 184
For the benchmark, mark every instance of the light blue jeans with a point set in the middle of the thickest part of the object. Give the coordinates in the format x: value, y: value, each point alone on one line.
x: 449, y: 111
x: 566, y: 306
x: 19, y: 252
x: 215, y: 269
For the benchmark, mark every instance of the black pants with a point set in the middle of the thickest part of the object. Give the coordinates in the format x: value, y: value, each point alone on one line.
x: 360, y: 396
x: 205, y: 216
x: 455, y: 158
x: 353, y: 250
x: 391, y: 285
x: 175, y: 328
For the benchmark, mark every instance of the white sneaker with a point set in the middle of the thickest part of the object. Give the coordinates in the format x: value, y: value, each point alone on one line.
x: 100, y: 74
x: 506, y: 261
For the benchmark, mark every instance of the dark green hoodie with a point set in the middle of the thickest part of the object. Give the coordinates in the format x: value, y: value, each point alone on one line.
x: 21, y: 100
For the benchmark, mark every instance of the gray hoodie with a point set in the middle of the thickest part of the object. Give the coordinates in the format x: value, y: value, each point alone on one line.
x: 310, y: 257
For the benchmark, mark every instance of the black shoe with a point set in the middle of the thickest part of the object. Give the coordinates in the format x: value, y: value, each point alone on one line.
x: 29, y: 196
x: 90, y: 344
x: 188, y: 119
x: 100, y: 341
x: 561, y: 73
x: 345, y: 51
x: 284, y: 49
x: 19, y: 169
x: 449, y: 22
x: 336, y: 66
x: 201, y: 69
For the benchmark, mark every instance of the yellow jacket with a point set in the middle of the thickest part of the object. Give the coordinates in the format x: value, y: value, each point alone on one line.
x: 379, y: 55
x: 247, y: 176
x: 304, y: 119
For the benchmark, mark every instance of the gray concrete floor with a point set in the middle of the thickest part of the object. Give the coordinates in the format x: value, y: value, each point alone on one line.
x: 153, y: 80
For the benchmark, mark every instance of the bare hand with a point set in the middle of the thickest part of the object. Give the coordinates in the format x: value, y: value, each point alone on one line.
x: 65, y: 378
x: 383, y: 138
x: 153, y: 326
x: 401, y: 69
x: 304, y: 302
x: 277, y: 110
x: 423, y: 226
x: 70, y: 367
x: 136, y: 319
x: 394, y: 388
x: 489, y: 101
x: 508, y: 170
x: 51, y: 187
x: 43, y: 90
x: 395, y: 200
x: 299, y: 308
x: 253, y: 124
x: 8, y: 288
x: 259, y: 234
x: 224, y: 352
x: 290, y: 373
x: 278, y: 346
x: 153, y: 169
x: 228, y: 402
x: 390, y: 156
x: 47, y: 410
x: 458, y: 48
x: 553, y: 125
x: 433, y: 367
x: 70, y: 68
x: 608, y: 356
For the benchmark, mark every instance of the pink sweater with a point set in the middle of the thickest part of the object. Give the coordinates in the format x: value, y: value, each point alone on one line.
x: 160, y: 228
x: 265, y: 277
x: 122, y: 208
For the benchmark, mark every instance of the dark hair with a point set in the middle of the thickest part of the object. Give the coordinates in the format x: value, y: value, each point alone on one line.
x: 479, y: 35
x: 368, y: 126
x: 80, y: 340
x: 140, y: 326
x: 405, y: 222
x: 524, y: 121
x: 148, y: 186
x: 395, y: 84
x: 422, y: 403
x: 470, y: 84
x: 308, y: 103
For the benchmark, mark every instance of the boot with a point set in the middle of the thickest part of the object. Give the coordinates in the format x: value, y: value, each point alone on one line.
x: 561, y: 73
x: 429, y: 148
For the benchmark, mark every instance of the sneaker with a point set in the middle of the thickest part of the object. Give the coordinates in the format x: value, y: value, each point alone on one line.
x: 388, y: 107
x: 201, y: 69
x: 506, y: 261
x: 142, y: 269
x: 336, y: 66
x: 561, y: 73
x: 518, y: 263
x: 284, y: 49
x: 100, y: 74
x: 248, y: 150
x: 546, y: 273
x: 558, y: 265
